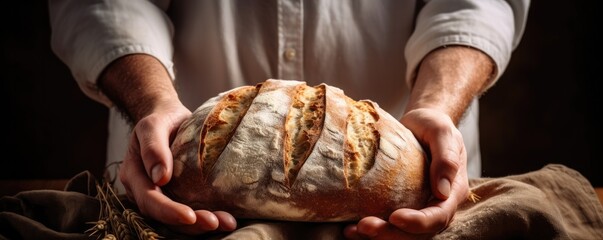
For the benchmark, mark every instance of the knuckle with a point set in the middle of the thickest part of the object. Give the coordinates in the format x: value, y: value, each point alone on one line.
x: 451, y: 162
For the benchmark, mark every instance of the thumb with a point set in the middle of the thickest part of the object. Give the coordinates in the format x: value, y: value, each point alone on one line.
x: 447, y: 158
x: 155, y: 151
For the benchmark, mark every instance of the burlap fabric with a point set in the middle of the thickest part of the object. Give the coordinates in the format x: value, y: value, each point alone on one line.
x: 555, y: 202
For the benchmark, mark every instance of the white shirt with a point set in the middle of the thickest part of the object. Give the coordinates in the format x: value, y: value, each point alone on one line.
x: 370, y: 49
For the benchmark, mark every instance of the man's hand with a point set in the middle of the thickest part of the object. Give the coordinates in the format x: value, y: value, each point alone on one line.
x: 148, y: 165
x: 141, y: 88
x: 448, y: 79
x: 448, y: 175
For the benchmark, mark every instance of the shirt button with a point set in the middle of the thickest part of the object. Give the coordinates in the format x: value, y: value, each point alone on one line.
x: 290, y: 54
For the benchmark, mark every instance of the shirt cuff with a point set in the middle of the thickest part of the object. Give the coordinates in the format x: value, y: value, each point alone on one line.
x: 490, y: 26
x: 87, y: 79
x: 88, y: 35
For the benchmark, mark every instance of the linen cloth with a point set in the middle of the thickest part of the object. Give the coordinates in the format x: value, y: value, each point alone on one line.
x: 555, y: 202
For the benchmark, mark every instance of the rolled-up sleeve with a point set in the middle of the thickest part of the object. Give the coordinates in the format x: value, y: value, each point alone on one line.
x: 87, y: 35
x: 493, y: 26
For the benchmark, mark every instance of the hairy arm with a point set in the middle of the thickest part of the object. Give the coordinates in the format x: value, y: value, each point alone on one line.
x: 449, y: 78
x: 136, y: 84
x: 141, y: 88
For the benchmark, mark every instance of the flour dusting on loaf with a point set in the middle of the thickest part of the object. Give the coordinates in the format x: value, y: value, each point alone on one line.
x: 220, y: 124
x: 283, y: 150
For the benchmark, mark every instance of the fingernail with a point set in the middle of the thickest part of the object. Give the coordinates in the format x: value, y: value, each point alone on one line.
x: 157, y: 173
x: 444, y: 187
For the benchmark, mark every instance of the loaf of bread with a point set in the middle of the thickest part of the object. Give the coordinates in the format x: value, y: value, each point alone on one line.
x: 283, y: 150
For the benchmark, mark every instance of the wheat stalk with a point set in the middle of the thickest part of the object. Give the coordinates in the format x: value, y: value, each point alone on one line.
x: 109, y: 237
x: 136, y: 222
x: 115, y: 221
x: 99, y: 226
x: 473, y: 197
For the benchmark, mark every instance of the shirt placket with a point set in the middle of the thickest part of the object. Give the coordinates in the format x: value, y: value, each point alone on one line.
x: 290, y: 39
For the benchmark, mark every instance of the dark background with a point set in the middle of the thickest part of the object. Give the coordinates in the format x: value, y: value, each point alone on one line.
x: 543, y: 110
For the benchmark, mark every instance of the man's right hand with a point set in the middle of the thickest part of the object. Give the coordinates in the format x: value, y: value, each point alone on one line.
x: 141, y: 88
x: 148, y: 165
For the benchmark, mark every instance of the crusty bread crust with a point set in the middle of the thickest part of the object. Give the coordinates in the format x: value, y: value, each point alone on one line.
x: 298, y: 153
x: 220, y: 123
x: 303, y: 125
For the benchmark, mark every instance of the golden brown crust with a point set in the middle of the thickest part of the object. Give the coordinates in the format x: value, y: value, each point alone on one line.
x: 221, y: 123
x: 361, y: 140
x: 302, y: 128
x: 301, y: 153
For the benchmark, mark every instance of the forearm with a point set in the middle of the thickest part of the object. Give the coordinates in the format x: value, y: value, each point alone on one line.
x: 449, y: 78
x: 88, y: 35
x: 494, y: 27
x: 137, y: 84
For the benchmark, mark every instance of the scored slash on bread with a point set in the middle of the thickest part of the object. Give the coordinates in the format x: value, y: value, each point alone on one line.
x: 361, y: 141
x: 303, y: 125
x: 220, y: 124
x: 284, y: 150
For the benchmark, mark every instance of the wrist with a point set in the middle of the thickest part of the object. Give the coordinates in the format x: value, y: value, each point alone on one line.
x: 138, y: 84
